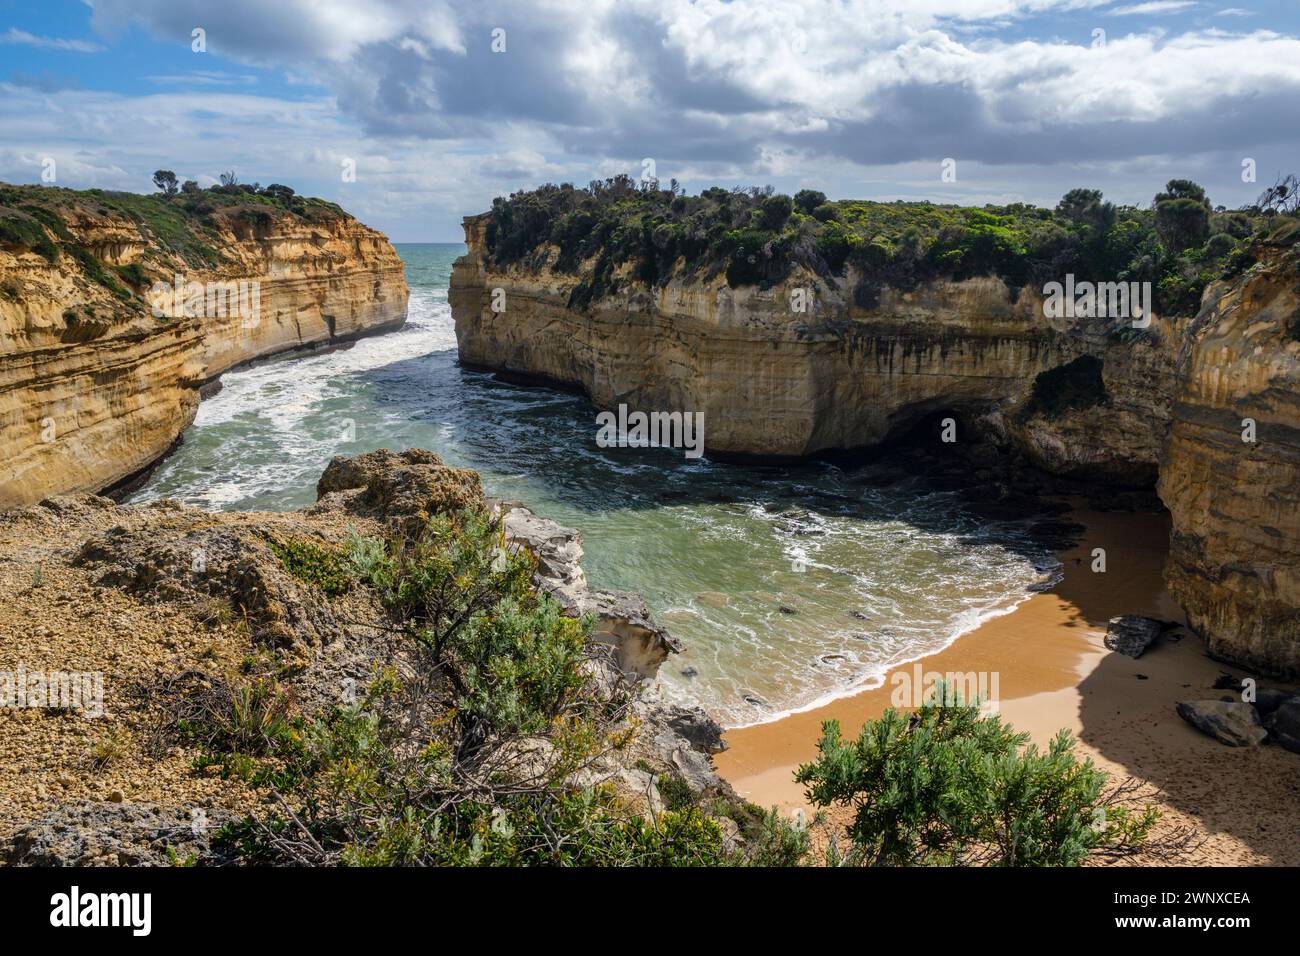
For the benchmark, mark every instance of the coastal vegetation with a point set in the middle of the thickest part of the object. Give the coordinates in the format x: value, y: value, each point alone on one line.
x: 618, y: 230
x: 947, y: 786
x: 180, y: 219
x: 486, y: 748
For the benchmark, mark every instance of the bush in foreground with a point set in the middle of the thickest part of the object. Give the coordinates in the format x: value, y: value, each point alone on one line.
x: 946, y: 786
x: 481, y: 752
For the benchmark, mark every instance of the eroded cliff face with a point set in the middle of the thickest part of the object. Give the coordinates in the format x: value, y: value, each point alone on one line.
x: 772, y: 381
x: 94, y: 388
x: 1234, y: 560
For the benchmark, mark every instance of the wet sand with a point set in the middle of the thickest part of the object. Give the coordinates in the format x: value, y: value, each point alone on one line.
x: 1053, y: 671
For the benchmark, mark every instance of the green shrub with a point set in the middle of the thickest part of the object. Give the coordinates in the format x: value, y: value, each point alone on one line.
x: 133, y: 275
x: 18, y: 230
x: 323, y: 567
x: 470, y: 759
x: 756, y: 238
x: 948, y: 786
x: 807, y: 200
x: 675, y: 792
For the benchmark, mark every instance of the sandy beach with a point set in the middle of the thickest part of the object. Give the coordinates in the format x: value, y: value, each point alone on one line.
x: 1053, y: 671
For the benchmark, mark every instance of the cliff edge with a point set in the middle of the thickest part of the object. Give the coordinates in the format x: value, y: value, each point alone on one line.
x: 116, y: 308
x: 1204, y: 401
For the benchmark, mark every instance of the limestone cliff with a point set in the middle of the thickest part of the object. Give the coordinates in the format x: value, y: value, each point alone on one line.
x: 94, y: 386
x: 1230, y: 470
x: 773, y: 381
x: 1082, y: 398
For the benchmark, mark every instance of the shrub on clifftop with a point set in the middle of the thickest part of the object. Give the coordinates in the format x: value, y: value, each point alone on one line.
x: 620, y: 231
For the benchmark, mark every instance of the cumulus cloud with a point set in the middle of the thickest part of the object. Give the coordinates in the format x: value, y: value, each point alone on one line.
x: 854, y: 93
x: 695, y: 80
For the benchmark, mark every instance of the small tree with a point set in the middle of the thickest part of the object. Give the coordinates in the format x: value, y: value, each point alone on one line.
x: 1085, y: 207
x: 946, y: 786
x: 1282, y: 197
x: 165, y: 180
x: 278, y: 191
x: 806, y: 200
x: 775, y: 210
x: 1182, y: 215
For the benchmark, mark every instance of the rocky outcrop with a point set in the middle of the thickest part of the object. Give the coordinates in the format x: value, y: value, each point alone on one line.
x: 167, y: 601
x: 1230, y: 470
x: 1084, y: 399
x: 622, y: 619
x: 801, y: 368
x: 94, y: 387
x: 406, y: 488
x: 115, y: 834
x: 1232, y: 723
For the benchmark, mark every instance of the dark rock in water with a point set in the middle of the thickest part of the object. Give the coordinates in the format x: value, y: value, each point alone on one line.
x: 1232, y: 723
x: 1284, y: 723
x: 862, y: 636
x: 689, y: 672
x: 115, y: 834
x: 1269, y: 699
x: 858, y: 615
x: 756, y: 701
x: 1131, y: 634
x: 786, y: 609
x: 831, y: 658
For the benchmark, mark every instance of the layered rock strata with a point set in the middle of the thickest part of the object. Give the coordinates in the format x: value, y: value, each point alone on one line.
x: 94, y: 387
x: 1092, y: 399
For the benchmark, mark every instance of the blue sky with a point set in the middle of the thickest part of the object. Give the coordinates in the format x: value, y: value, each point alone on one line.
x: 860, y: 98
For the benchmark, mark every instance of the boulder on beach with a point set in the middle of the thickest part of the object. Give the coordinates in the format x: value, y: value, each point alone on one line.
x: 1131, y: 634
x: 1233, y: 723
x: 1284, y: 723
x: 1269, y: 699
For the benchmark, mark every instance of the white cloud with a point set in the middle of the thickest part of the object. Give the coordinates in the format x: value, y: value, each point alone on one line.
x: 1153, y: 7
x: 22, y: 38
x: 857, y: 97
